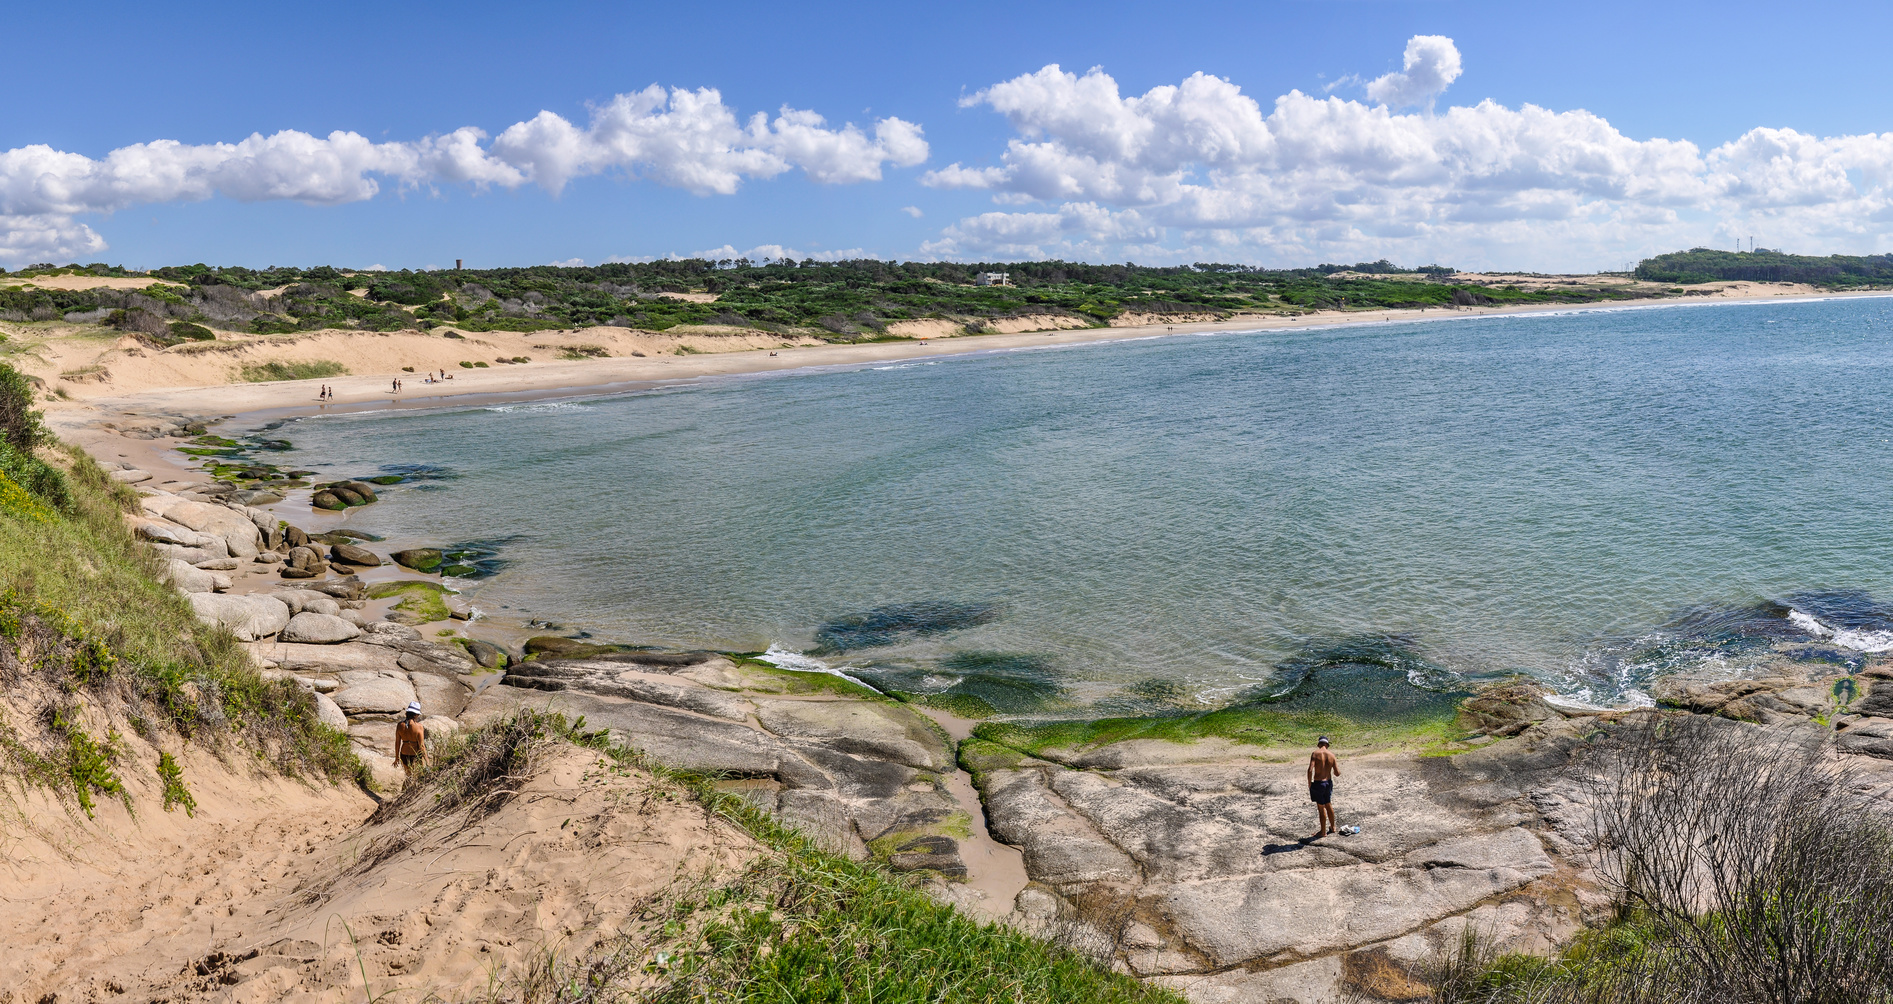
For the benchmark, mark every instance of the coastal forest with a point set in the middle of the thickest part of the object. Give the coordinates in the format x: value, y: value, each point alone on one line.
x: 844, y: 300
x: 841, y: 301
x: 1703, y: 265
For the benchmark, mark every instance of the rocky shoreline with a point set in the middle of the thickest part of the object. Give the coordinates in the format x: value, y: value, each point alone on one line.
x: 1184, y: 862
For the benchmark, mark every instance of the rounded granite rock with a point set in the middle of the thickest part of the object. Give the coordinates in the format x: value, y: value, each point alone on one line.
x: 312, y: 628
x: 248, y: 617
x: 377, y: 695
x: 349, y: 554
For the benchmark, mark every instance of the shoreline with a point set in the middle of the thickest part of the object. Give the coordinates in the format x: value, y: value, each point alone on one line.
x: 555, y: 381
x: 358, y: 393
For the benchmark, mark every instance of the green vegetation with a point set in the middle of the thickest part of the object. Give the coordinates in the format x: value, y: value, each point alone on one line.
x: 185, y: 331
x: 265, y: 372
x: 1700, y: 265
x: 89, y: 762
x: 800, y: 926
x: 851, y: 301
x: 839, y: 301
x: 1745, y: 866
x: 175, y: 793
x: 425, y: 600
x: 83, y: 614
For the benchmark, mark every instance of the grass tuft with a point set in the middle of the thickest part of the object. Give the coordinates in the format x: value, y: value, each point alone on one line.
x: 276, y: 370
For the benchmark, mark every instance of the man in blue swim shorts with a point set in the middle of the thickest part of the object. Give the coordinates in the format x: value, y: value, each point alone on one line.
x: 1322, y: 770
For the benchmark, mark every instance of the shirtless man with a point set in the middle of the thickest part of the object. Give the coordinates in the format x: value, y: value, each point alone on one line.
x: 1322, y: 770
x: 410, y: 741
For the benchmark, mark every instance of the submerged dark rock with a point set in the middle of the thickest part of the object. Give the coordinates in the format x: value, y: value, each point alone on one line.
x: 898, y: 622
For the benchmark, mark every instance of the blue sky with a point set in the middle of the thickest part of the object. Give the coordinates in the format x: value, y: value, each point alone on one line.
x: 1705, y: 123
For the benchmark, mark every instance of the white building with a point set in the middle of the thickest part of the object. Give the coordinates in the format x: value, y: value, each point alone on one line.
x: 991, y: 279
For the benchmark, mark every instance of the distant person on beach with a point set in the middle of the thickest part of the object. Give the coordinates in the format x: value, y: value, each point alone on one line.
x: 410, y: 741
x: 1322, y: 770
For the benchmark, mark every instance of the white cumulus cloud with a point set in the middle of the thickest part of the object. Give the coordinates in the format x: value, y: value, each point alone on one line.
x: 1432, y: 64
x: 684, y: 138
x: 1201, y: 170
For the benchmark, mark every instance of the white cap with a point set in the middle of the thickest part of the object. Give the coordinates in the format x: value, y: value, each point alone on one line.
x: 414, y: 707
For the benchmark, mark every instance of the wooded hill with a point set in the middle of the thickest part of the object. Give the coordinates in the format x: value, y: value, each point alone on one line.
x: 1699, y: 265
x: 849, y: 300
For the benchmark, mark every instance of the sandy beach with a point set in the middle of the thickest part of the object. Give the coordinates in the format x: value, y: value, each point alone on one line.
x: 101, y: 376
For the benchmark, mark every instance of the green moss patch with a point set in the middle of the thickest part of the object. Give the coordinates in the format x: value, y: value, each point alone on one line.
x: 978, y: 756
x: 768, y: 678
x: 425, y: 600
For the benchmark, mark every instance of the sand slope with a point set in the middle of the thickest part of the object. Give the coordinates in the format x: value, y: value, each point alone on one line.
x: 281, y: 892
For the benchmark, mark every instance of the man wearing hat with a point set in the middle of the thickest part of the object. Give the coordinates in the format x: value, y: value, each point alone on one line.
x: 410, y: 741
x: 1322, y: 770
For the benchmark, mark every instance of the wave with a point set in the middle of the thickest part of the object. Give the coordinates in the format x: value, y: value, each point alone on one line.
x: 796, y: 662
x: 1837, y: 627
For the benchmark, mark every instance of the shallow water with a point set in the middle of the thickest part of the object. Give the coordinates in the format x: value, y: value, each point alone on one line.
x: 1593, y: 497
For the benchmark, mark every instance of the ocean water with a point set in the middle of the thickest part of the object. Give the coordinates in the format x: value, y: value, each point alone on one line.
x: 1593, y: 497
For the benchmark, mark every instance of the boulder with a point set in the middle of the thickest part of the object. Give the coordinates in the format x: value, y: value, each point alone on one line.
x: 427, y: 657
x: 1506, y: 708
x: 238, y: 533
x: 487, y: 654
x: 347, y: 589
x: 421, y: 559
x: 188, y: 578
x: 327, y: 500
x: 166, y: 532
x: 291, y: 572
x: 247, y: 617
x: 440, y: 695
x: 304, y: 557
x: 389, y: 633
x: 300, y: 600
x: 295, y: 537
x: 349, y: 554
x: 220, y: 565
x: 362, y: 489
x: 191, y: 555
x: 329, y: 713
x: 347, y: 497
x: 347, y: 657
x: 313, y: 628
x: 382, y: 695
x: 130, y: 476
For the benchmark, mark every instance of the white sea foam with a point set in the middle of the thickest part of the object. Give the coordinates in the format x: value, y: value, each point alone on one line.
x: 796, y: 662
x: 1857, y: 639
x: 1865, y: 641
x: 533, y: 407
x: 1806, y: 622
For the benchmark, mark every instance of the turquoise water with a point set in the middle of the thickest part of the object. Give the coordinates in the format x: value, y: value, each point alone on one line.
x: 1592, y: 497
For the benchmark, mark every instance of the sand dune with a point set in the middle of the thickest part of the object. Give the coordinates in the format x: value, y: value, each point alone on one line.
x: 279, y: 891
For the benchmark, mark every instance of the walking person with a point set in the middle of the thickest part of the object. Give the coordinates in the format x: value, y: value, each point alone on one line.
x: 410, y: 741
x: 1323, y: 768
